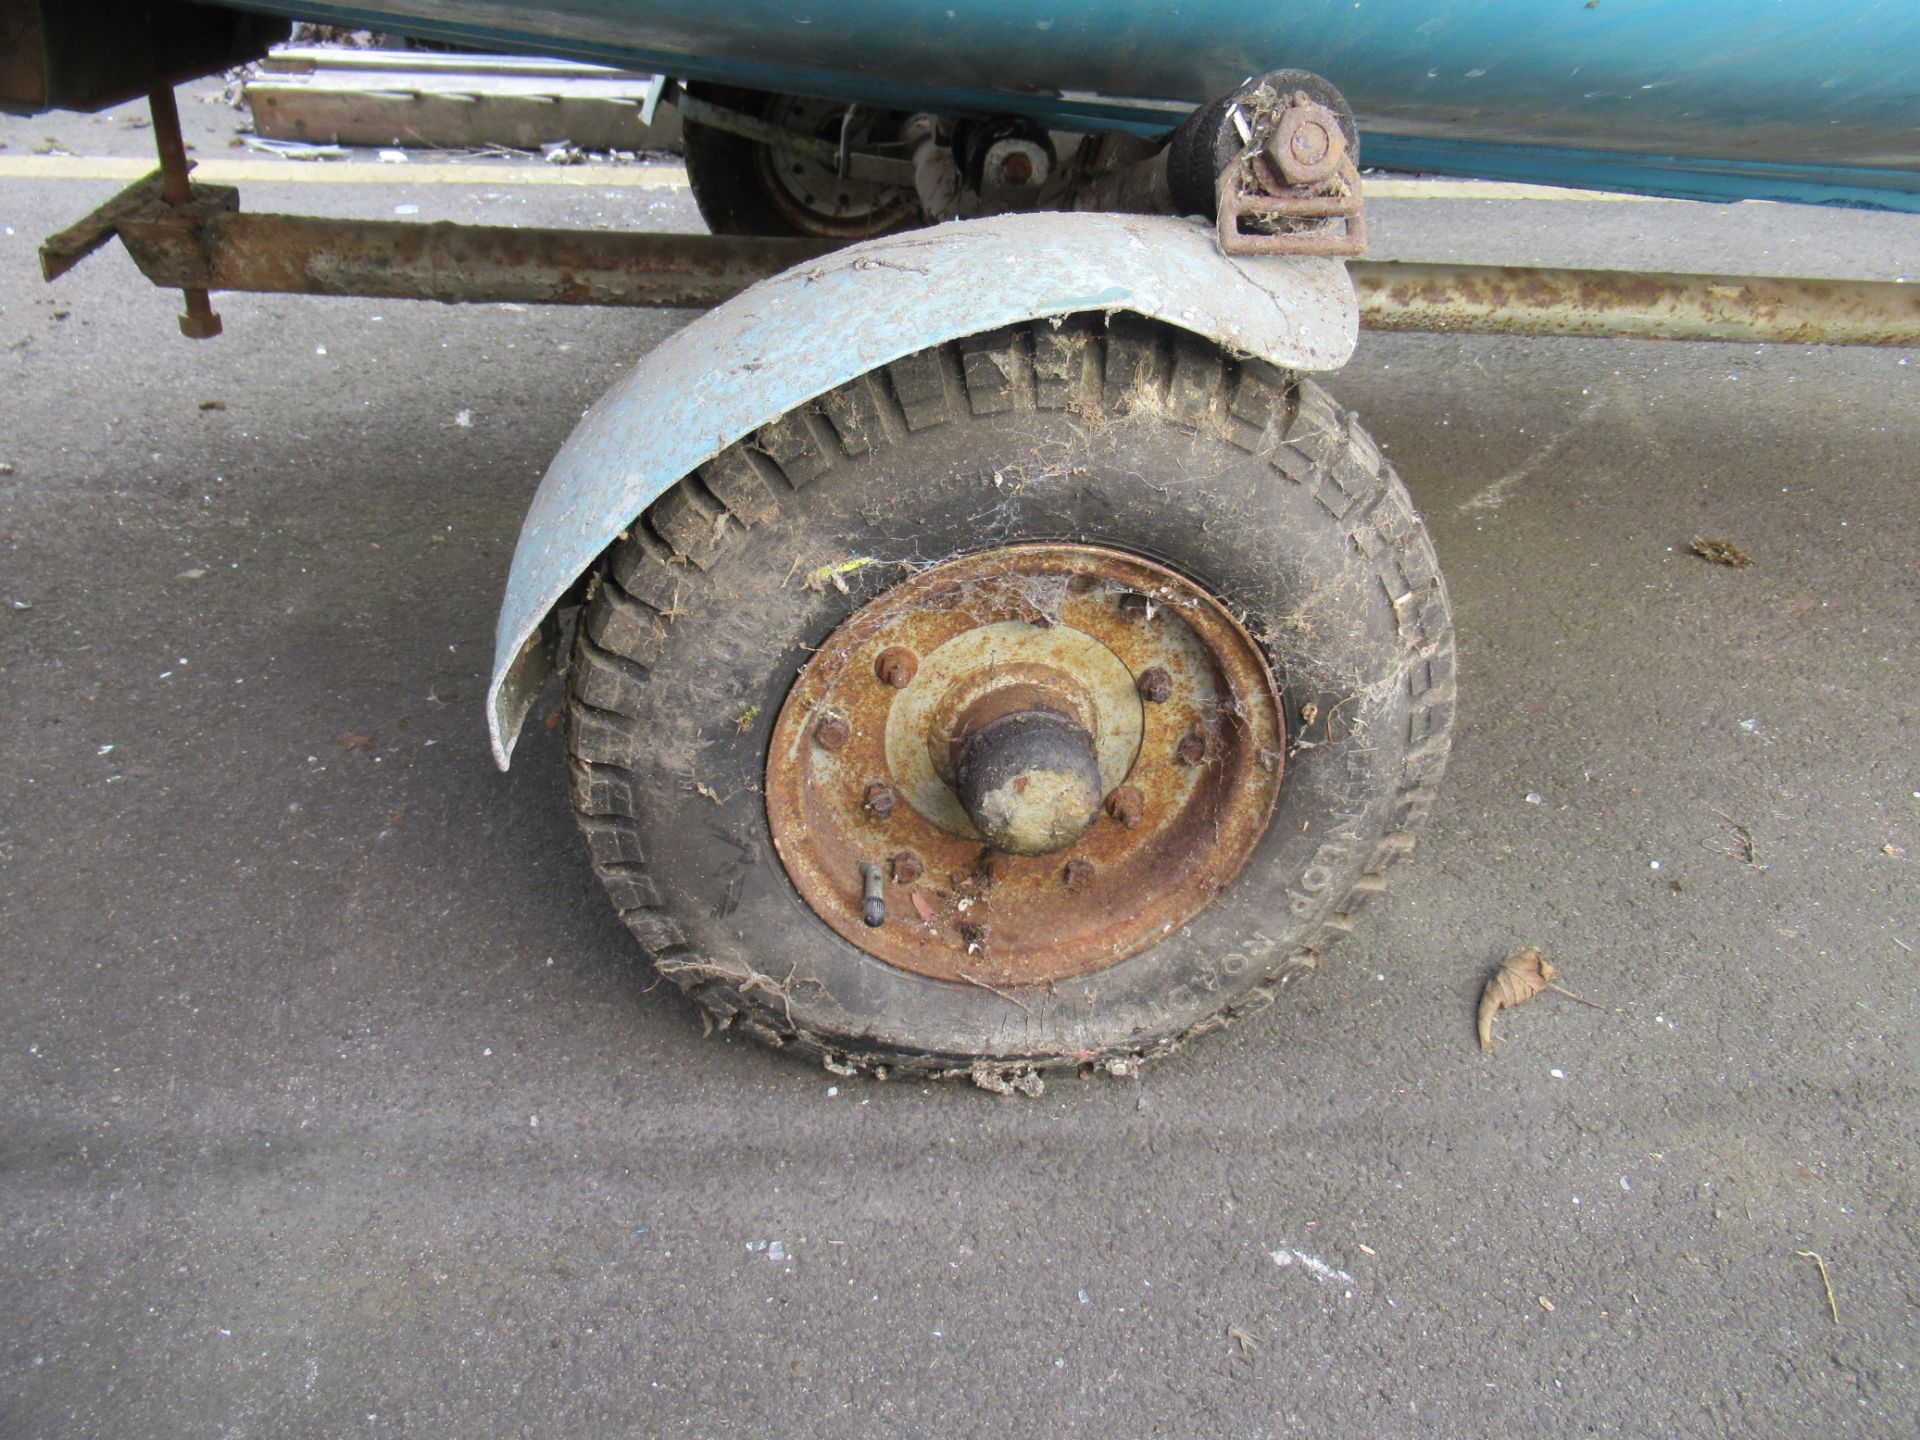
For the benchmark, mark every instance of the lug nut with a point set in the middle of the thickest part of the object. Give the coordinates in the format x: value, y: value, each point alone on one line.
x: 878, y: 799
x: 1127, y: 805
x: 1155, y: 685
x: 832, y: 732
x: 896, y: 667
x: 1078, y: 874
x: 906, y: 868
x: 1135, y: 606
x: 1192, y: 748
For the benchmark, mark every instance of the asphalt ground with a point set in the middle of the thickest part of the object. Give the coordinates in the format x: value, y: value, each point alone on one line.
x: 334, y: 1100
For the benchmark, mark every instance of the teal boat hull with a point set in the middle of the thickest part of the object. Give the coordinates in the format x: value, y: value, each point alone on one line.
x: 1714, y: 99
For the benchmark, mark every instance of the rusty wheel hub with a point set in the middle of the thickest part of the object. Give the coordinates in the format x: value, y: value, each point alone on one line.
x: 1024, y: 764
x: 811, y: 195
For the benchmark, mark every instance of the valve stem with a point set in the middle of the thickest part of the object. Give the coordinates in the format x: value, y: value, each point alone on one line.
x: 873, y: 901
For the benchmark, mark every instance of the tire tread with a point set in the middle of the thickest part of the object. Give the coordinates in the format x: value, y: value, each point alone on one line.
x: 1078, y: 363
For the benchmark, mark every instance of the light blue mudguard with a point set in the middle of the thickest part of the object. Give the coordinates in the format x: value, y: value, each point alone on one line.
x: 819, y: 325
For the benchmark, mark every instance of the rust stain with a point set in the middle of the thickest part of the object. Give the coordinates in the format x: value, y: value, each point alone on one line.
x: 1170, y: 838
x: 1627, y: 304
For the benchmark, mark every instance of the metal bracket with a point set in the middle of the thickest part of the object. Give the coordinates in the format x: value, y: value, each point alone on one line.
x: 59, y: 253
x: 150, y: 225
x: 165, y: 207
x: 1292, y: 180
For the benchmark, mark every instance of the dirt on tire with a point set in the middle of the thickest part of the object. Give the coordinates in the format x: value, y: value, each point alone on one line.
x: 1117, y: 432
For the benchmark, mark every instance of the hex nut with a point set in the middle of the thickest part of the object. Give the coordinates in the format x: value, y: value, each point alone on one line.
x: 1155, y: 685
x: 200, y: 326
x: 906, y: 867
x: 1192, y: 748
x: 1127, y: 805
x: 878, y: 799
x: 1078, y: 874
x: 832, y: 732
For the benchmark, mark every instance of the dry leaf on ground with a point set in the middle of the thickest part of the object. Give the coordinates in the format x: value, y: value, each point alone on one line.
x: 1520, y: 977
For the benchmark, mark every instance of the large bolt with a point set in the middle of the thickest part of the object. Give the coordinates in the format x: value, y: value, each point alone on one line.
x: 878, y: 799
x: 1127, y: 805
x: 1307, y: 145
x: 1155, y: 685
x: 832, y: 732
x: 1310, y: 143
x: 199, y: 322
x: 896, y: 667
x: 906, y: 868
x: 1192, y: 748
x: 1078, y: 873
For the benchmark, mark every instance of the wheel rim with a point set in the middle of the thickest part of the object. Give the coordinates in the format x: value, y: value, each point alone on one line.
x: 811, y: 196
x: 1038, y: 760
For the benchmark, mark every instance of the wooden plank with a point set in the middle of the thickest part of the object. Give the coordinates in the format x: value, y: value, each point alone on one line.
x: 312, y: 59
x: 449, y: 111
x: 637, y: 89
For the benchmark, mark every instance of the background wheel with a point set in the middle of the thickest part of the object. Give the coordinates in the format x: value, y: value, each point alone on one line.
x: 1075, y: 486
x: 745, y: 188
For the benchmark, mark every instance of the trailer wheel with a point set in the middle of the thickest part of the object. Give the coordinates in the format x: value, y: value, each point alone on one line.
x: 1044, y: 699
x: 744, y: 187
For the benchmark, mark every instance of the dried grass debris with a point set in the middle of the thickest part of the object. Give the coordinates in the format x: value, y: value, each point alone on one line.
x: 1833, y: 1306
x: 1720, y: 552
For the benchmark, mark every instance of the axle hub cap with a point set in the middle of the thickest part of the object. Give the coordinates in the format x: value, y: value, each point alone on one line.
x: 1029, y: 781
x: 998, y: 696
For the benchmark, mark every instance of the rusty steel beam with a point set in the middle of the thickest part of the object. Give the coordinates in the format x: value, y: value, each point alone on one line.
x: 206, y: 245
x: 1633, y: 305
x: 394, y: 259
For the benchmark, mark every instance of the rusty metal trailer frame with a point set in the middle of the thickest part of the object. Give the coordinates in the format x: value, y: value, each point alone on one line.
x: 194, y: 238
x: 211, y: 246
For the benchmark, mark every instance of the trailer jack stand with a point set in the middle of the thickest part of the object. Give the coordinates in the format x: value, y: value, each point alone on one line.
x: 176, y: 190
x: 166, y: 203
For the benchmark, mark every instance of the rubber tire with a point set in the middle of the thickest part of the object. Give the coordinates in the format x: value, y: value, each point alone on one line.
x: 724, y: 173
x: 1252, y: 483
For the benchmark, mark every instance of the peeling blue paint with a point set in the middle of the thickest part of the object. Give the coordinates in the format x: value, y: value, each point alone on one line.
x: 1100, y: 300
